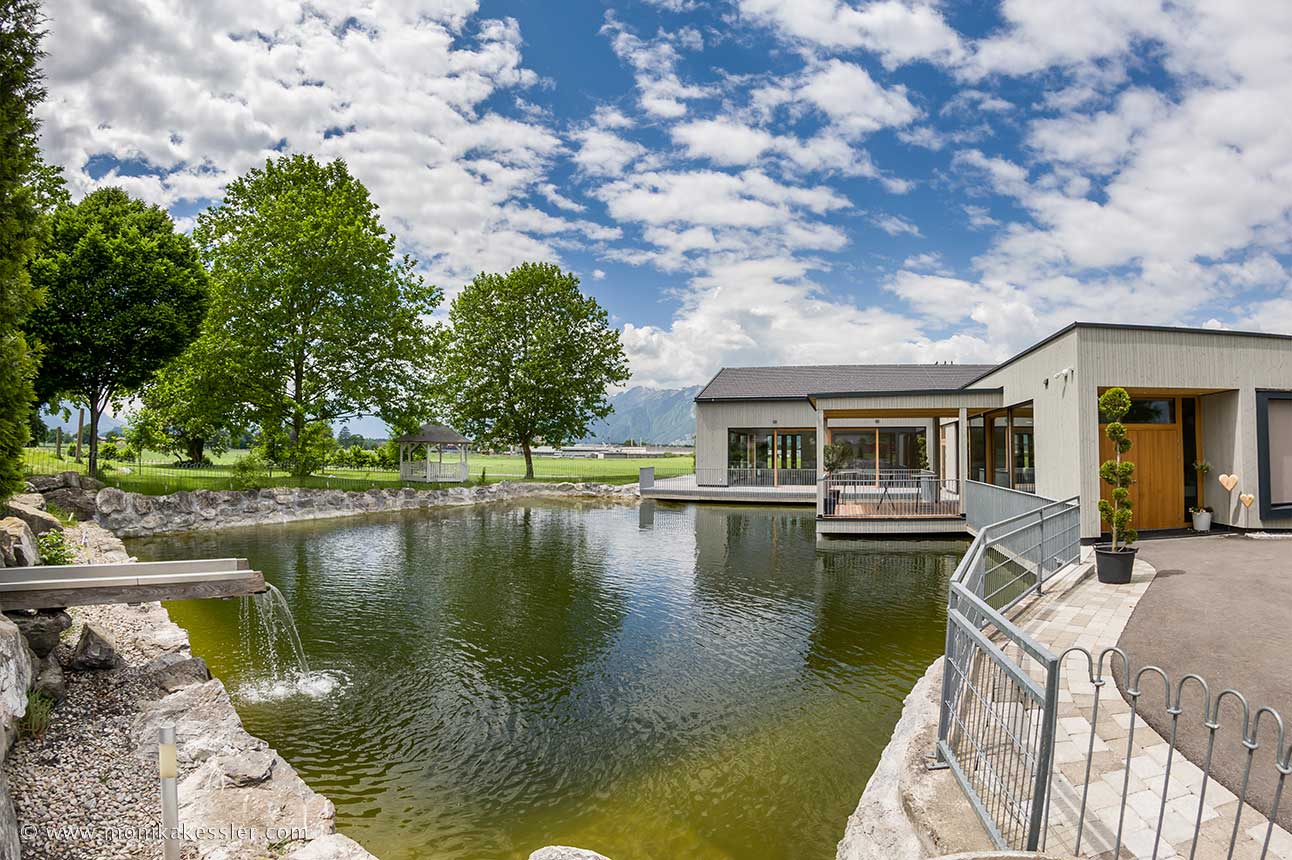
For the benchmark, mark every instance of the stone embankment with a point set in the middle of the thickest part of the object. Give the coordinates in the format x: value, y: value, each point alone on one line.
x: 136, y: 515
x: 86, y: 787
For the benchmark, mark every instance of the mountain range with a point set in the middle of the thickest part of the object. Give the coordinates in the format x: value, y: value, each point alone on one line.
x: 659, y: 416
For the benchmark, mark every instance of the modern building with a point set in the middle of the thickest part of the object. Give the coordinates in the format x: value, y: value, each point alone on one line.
x: 894, y: 448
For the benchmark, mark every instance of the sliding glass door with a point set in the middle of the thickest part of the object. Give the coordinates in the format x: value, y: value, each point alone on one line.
x: 879, y: 450
x: 771, y: 457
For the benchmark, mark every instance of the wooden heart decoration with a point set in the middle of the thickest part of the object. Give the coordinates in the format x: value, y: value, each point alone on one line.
x: 1246, y: 499
x: 1228, y: 482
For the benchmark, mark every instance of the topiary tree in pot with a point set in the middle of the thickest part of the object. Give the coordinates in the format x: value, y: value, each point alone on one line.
x: 1114, y: 561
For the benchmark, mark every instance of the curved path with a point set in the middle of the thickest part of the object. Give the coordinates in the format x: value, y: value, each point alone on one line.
x: 1219, y: 607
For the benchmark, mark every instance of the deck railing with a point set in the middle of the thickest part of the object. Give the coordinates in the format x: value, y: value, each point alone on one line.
x: 747, y: 477
x: 414, y: 470
x: 1000, y: 704
x: 996, y: 726
x: 901, y: 493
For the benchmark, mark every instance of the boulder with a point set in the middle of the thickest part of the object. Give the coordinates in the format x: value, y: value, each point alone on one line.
x: 36, y: 518
x: 281, y: 802
x: 50, y: 681
x: 241, y: 768
x: 335, y: 847
x: 564, y: 852
x: 94, y: 650
x: 205, y: 725
x: 45, y: 483
x: 174, y: 671
x: 73, y: 500
x: 42, y: 628
x: 18, y: 543
x: 110, y: 500
x: 31, y: 500
x: 16, y: 671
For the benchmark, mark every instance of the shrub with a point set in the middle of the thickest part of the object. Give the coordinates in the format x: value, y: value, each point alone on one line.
x: 1117, y: 473
x: 54, y: 549
x: 40, y: 711
x: 250, y: 473
x: 837, y: 456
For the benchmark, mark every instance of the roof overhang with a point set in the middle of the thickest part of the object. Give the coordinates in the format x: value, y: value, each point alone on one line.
x: 930, y: 403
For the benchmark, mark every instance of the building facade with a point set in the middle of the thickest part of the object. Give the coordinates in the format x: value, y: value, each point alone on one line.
x: 897, y: 442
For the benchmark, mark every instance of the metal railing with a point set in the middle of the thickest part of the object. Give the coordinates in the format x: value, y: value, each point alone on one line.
x: 998, y: 728
x: 865, y: 493
x: 997, y: 718
x: 727, y: 477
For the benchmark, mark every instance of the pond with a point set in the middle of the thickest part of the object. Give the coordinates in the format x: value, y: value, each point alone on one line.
x: 654, y: 682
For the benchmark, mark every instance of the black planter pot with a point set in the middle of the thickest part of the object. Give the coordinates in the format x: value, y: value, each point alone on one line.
x: 1114, y: 567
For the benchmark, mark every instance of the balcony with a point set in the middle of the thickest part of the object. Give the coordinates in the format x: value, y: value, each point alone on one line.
x: 888, y: 501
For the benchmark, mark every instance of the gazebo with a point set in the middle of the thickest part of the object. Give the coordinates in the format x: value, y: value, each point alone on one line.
x: 436, y: 469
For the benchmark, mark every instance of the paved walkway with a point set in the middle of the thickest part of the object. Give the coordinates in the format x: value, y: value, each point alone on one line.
x: 1079, y: 611
x: 1233, y: 596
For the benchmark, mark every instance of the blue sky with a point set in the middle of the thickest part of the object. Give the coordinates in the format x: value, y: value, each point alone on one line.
x: 743, y: 181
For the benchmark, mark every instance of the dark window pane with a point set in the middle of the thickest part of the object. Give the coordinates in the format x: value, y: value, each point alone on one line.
x: 1147, y: 411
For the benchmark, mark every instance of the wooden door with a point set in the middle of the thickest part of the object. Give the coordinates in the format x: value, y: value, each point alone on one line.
x: 1157, y: 451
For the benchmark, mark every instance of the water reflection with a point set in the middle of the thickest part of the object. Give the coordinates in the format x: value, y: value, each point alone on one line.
x: 653, y: 682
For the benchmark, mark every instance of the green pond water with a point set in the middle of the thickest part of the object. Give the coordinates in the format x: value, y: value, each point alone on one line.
x: 666, y: 682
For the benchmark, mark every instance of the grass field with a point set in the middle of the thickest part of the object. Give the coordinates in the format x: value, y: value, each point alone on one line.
x: 157, y: 474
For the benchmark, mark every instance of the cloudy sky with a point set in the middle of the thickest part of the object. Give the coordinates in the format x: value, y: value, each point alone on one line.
x: 742, y: 181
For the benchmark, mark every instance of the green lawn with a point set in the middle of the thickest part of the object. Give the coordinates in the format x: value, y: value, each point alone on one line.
x: 157, y: 475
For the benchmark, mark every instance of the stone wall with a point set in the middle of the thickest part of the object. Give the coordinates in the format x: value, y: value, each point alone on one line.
x: 136, y: 515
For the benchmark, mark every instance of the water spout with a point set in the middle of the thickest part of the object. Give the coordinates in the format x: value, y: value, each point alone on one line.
x: 271, y: 642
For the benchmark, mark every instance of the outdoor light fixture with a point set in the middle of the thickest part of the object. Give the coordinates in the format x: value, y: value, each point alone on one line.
x: 168, y: 770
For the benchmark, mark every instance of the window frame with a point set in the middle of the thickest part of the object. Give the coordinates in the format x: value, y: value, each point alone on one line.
x: 1270, y: 510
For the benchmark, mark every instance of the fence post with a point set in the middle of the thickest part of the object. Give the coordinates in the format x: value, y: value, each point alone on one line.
x: 646, y: 477
x: 1040, y: 551
x: 1044, y: 756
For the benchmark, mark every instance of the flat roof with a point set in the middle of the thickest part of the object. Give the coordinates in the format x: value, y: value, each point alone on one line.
x: 802, y: 382
x: 1174, y: 329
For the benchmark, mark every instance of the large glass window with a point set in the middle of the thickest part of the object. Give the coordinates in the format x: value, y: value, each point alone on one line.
x: 978, y: 449
x: 999, y: 449
x: 1276, y: 454
x: 1148, y: 410
x: 881, y: 449
x: 1023, y: 448
x: 760, y: 455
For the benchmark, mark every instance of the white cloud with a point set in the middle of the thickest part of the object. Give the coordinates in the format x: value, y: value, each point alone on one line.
x: 854, y: 102
x: 199, y: 93
x: 604, y: 153
x: 598, y: 274
x: 894, y: 225
x: 899, y: 32
x: 660, y: 90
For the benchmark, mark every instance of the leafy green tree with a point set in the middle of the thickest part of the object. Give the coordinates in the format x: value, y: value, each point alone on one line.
x: 124, y: 294
x: 21, y: 225
x: 318, y: 317
x: 191, y: 405
x: 529, y: 357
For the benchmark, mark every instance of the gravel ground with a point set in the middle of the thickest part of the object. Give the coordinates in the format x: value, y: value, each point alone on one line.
x: 79, y: 791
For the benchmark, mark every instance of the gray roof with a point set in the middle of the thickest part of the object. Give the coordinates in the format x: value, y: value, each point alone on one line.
x: 435, y: 434
x: 798, y: 383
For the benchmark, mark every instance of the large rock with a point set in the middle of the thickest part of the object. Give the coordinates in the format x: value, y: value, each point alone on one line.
x: 42, y: 628
x: 243, y: 768
x: 31, y: 500
x: 94, y: 650
x: 279, y: 808
x: 564, y: 852
x: 73, y: 500
x: 16, y: 661
x: 205, y: 724
x: 335, y: 847
x: 39, y: 520
x: 50, y: 681
x: 18, y: 543
x: 174, y: 671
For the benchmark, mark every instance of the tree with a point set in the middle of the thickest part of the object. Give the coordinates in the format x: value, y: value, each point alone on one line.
x: 191, y: 405
x: 124, y: 294
x: 1117, y: 473
x: 529, y: 357
x: 317, y: 316
x: 21, y: 225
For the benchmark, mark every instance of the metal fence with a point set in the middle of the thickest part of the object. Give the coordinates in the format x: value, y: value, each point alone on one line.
x: 1040, y: 786
x: 996, y: 726
x: 888, y: 493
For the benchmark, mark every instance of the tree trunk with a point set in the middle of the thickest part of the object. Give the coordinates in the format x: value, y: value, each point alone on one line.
x: 80, y: 431
x: 529, y: 458
x: 94, y: 438
x: 195, y: 450
x: 58, y: 443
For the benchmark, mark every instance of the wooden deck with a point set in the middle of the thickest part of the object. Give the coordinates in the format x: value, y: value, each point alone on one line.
x: 686, y: 489
x: 55, y: 586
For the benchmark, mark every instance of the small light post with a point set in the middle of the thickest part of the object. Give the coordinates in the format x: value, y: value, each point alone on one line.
x: 168, y: 769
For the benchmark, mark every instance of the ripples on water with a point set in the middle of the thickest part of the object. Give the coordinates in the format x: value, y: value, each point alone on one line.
x: 666, y: 682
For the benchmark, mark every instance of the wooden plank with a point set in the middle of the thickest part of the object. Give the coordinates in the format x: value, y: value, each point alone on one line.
x: 135, y: 568
x: 51, y: 598
x: 39, y: 582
